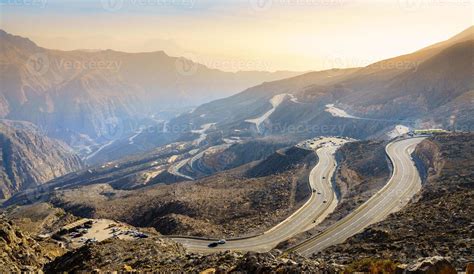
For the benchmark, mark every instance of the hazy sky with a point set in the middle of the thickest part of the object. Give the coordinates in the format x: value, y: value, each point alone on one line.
x: 241, y: 34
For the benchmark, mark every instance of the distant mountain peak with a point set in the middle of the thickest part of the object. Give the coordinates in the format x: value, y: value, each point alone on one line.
x: 16, y: 40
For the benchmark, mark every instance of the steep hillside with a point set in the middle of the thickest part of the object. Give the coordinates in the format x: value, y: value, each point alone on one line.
x: 29, y: 158
x: 253, y: 102
x: 435, y: 83
x: 228, y: 203
x: 428, y: 88
x: 437, y: 223
x: 20, y: 252
x: 229, y: 156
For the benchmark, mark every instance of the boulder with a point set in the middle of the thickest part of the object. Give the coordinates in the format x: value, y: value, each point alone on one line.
x: 431, y: 265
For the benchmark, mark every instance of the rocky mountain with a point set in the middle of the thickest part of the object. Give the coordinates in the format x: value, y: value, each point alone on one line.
x: 432, y: 87
x: 435, y: 85
x: 69, y: 93
x: 20, y: 252
x: 231, y: 203
x: 29, y: 158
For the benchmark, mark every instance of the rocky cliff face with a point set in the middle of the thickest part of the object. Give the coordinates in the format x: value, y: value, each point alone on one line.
x: 19, y: 252
x: 28, y: 158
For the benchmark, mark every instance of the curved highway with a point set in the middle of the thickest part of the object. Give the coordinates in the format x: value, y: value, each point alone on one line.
x: 404, y: 183
x: 322, y: 202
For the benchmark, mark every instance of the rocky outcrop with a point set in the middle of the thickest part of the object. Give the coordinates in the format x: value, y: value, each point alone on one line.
x: 114, y: 254
x: 18, y: 251
x: 162, y: 255
x: 28, y: 158
x: 281, y: 161
x: 236, y: 155
x: 432, y: 265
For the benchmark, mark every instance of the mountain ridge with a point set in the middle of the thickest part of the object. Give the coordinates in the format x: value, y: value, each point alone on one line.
x: 38, y: 82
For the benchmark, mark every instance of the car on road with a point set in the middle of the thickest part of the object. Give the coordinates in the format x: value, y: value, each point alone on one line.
x: 221, y: 241
x: 325, y: 201
x: 324, y: 177
x: 213, y: 244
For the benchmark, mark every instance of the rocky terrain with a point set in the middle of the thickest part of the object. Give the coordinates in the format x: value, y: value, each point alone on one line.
x: 363, y: 169
x: 235, y: 155
x: 437, y: 223
x: 20, y: 252
x: 40, y: 218
x: 231, y: 203
x: 162, y: 255
x: 29, y: 158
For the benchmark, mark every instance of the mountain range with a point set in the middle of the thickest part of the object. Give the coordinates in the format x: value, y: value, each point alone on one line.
x: 76, y: 93
x: 328, y: 163
x: 429, y: 88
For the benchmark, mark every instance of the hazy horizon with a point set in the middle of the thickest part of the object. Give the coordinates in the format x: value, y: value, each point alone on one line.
x: 243, y: 35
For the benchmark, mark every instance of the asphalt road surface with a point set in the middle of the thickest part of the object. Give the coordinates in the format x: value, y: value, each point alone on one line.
x: 306, y: 217
x: 404, y: 183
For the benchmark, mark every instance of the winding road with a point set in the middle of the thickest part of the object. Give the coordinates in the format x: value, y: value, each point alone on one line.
x: 306, y: 217
x: 404, y: 183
